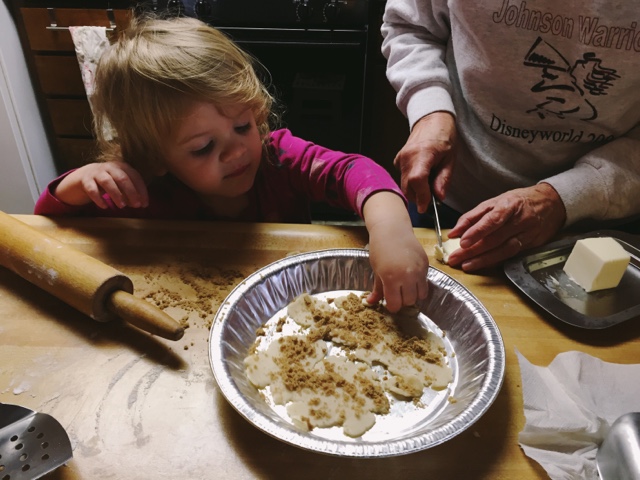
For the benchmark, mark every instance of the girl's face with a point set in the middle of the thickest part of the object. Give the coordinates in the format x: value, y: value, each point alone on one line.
x: 214, y: 154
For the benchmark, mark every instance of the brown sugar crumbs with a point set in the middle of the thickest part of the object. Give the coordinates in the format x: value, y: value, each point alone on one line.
x: 189, y: 292
x: 321, y: 390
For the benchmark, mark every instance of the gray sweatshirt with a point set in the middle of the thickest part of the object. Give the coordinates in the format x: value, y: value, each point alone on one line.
x: 542, y: 90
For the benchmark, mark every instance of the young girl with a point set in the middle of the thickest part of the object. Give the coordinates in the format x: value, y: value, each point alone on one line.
x: 182, y: 122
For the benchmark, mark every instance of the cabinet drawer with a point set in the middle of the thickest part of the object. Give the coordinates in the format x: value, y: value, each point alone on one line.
x: 75, y: 152
x: 59, y: 75
x: 36, y: 21
x: 70, y: 117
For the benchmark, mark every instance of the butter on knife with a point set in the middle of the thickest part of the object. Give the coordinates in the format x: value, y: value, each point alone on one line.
x: 448, y: 247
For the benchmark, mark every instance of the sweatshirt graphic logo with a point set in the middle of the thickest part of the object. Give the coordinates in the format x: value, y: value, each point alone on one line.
x: 565, y: 88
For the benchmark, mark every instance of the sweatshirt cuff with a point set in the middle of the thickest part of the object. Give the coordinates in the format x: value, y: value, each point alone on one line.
x: 435, y: 98
x: 49, y: 205
x: 582, y: 192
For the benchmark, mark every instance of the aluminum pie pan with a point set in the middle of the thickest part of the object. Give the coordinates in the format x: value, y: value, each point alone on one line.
x: 471, y: 334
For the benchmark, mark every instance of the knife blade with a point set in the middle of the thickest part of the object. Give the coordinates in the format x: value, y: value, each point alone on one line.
x: 437, y: 220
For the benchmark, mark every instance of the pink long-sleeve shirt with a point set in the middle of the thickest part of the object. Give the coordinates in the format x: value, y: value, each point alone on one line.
x: 299, y: 174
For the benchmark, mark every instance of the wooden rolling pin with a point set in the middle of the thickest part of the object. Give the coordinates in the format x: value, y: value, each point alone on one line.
x: 79, y: 280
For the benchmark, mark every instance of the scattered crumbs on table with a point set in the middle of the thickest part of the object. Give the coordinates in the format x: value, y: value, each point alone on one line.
x: 189, y: 292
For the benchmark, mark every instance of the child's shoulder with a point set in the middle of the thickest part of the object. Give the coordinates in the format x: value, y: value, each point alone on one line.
x: 282, y: 136
x: 286, y: 146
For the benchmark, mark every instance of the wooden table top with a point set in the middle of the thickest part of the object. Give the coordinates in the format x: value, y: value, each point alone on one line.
x: 141, y: 407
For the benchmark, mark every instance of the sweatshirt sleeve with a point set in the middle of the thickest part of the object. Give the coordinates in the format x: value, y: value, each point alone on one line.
x: 339, y: 179
x: 49, y: 205
x: 604, y: 184
x: 415, y: 37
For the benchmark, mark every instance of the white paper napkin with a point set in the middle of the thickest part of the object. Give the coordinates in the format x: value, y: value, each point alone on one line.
x: 90, y: 42
x: 569, y: 407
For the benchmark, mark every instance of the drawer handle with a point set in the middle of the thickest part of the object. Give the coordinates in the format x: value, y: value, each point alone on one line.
x: 54, y: 22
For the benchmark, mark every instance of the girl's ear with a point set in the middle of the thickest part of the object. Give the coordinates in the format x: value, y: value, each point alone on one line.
x: 160, y: 171
x: 155, y: 173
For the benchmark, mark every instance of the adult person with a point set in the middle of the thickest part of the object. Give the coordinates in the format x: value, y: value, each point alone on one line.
x: 524, y: 115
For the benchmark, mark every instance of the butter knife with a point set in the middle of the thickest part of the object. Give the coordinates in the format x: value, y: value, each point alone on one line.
x: 437, y: 220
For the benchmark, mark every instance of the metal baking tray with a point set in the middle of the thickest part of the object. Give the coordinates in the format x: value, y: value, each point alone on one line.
x: 539, y: 274
x: 472, y: 340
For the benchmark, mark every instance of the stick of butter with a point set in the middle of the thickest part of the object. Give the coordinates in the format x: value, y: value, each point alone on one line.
x: 597, y: 263
x: 448, y: 247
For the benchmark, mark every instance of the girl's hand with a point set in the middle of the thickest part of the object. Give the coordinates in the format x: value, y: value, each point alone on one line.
x: 502, y: 227
x: 398, y: 259
x: 89, y: 183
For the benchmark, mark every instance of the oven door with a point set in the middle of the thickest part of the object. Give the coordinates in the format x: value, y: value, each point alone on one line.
x: 317, y: 77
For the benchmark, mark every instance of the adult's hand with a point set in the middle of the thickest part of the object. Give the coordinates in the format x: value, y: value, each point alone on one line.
x: 426, y: 159
x: 503, y: 226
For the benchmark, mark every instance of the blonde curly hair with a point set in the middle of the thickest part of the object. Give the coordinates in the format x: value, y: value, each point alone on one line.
x: 156, y: 68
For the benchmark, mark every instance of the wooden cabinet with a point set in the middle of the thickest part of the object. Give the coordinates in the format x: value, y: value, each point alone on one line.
x: 56, y: 76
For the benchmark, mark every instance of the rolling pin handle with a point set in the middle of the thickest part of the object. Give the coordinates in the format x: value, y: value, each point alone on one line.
x: 143, y: 315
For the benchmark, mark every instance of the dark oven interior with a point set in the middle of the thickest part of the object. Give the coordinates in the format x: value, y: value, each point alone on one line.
x: 315, y: 58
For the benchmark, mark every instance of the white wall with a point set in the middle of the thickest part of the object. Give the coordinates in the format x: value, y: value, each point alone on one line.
x: 26, y: 163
